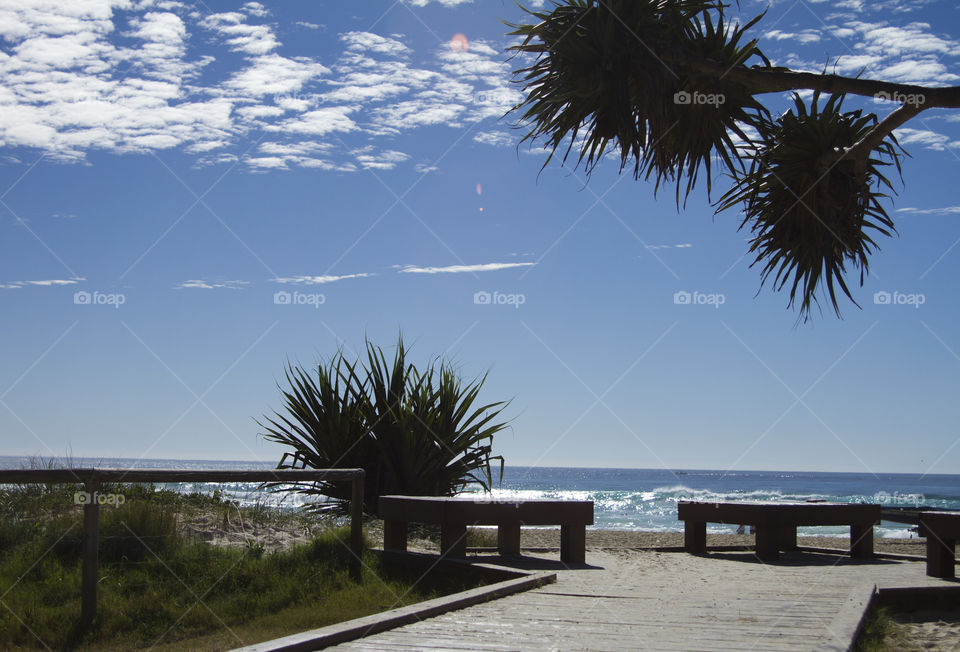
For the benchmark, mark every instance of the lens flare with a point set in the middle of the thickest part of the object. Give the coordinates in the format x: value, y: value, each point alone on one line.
x: 459, y: 43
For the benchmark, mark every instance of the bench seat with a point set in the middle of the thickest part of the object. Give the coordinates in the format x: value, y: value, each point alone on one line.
x: 454, y: 514
x: 941, y: 529
x: 776, y: 523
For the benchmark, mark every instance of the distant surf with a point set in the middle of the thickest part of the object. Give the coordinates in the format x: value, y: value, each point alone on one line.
x: 636, y: 499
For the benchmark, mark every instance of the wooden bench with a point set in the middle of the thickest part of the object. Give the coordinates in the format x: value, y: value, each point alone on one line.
x: 455, y: 514
x: 776, y: 523
x: 942, y: 529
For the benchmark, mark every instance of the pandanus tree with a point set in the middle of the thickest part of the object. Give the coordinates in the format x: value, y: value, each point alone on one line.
x: 673, y: 86
x: 419, y: 433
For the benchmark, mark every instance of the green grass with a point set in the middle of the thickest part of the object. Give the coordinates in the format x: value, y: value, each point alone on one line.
x: 158, y: 586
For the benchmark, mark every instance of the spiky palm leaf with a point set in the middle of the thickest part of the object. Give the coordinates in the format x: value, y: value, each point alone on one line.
x: 323, y: 426
x: 811, y: 211
x: 608, y: 73
x: 414, y: 433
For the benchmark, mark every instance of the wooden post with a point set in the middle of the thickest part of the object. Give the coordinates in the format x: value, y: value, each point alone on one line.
x: 861, y: 540
x: 768, y: 541
x: 356, y: 523
x: 395, y: 535
x: 941, y: 556
x: 508, y: 538
x: 695, y: 536
x: 453, y: 540
x: 91, y: 525
x: 573, y: 543
x: 788, y: 537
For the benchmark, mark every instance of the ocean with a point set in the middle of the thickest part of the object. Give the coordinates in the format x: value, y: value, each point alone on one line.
x: 640, y: 499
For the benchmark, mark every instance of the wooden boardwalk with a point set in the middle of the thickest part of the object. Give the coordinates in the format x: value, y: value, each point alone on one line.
x: 644, y: 600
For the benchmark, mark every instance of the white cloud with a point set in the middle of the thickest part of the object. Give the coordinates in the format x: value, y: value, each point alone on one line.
x: 907, y: 54
x: 495, y: 138
x: 922, y: 137
x: 459, y: 269
x: 803, y: 36
x: 946, y: 210
x: 318, y: 280
x: 56, y: 282
x: 370, y: 42
x: 273, y: 74
x: 255, y: 9
x: 203, y: 284
x: 384, y: 160
x: 683, y: 245
x: 319, y: 122
x: 241, y: 37
x: 119, y: 76
x: 445, y: 3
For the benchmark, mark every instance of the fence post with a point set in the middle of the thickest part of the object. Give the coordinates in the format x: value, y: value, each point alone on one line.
x: 91, y: 525
x: 356, y: 521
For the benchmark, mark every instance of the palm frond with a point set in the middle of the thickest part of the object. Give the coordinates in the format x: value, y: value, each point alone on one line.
x: 615, y: 74
x: 413, y: 432
x: 811, y: 210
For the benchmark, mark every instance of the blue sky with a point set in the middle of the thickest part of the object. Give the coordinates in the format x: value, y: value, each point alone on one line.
x: 191, y: 194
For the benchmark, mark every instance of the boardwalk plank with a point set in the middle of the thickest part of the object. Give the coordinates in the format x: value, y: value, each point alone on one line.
x: 634, y: 600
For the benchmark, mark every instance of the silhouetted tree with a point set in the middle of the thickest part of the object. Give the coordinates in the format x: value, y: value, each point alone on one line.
x: 672, y: 86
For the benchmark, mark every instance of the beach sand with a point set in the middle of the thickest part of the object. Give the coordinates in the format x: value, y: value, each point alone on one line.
x: 628, y: 539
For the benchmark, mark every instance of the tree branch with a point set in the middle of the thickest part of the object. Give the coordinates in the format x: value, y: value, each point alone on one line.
x: 772, y: 80
x: 872, y: 139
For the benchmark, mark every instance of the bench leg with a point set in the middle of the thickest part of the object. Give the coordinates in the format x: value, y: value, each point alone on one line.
x: 453, y: 540
x: 861, y: 541
x: 508, y: 539
x: 395, y: 535
x: 573, y: 544
x: 695, y: 536
x: 768, y: 542
x: 941, y: 556
x: 788, y: 537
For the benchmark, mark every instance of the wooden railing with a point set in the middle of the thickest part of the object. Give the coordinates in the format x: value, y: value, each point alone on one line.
x: 93, y: 478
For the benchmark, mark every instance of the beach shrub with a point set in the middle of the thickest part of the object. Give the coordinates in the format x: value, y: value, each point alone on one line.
x: 419, y: 433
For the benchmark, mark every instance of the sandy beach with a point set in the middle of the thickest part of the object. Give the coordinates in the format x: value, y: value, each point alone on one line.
x: 533, y: 538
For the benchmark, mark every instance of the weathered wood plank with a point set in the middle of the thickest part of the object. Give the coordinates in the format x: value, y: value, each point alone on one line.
x: 668, y: 601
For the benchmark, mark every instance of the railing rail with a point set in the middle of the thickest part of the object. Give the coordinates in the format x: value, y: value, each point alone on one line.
x: 92, y: 478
